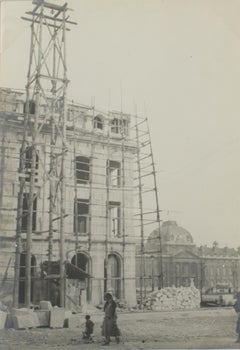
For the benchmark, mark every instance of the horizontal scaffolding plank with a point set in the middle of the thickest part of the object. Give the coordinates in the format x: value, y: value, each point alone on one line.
x: 49, y: 5
x: 46, y: 24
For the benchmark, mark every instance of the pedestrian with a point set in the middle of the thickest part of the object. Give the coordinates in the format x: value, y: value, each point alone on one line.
x: 88, y: 333
x: 237, y: 309
x: 109, y: 326
x: 55, y: 293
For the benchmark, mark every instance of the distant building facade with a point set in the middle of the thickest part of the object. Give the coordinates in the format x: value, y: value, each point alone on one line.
x: 182, y: 261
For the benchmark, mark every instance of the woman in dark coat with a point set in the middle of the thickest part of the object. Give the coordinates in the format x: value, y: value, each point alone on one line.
x: 109, y: 327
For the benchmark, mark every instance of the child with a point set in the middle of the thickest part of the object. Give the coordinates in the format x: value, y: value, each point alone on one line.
x: 87, y: 334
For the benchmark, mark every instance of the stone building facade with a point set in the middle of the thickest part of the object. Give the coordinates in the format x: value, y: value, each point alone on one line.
x: 96, y: 143
x: 183, y: 261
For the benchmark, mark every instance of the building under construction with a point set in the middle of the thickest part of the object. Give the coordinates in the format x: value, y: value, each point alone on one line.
x: 69, y: 176
x: 98, y: 217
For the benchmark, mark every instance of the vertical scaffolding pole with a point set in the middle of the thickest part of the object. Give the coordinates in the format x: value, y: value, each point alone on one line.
x: 31, y: 196
x: 106, y: 277
x: 52, y: 170
x: 19, y: 214
x: 91, y: 182
x: 122, y: 184
x: 63, y: 170
x: 142, y: 250
x: 22, y: 179
x: 75, y: 190
x: 160, y: 277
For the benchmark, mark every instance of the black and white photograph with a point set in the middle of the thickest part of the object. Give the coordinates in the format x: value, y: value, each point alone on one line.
x: 119, y: 174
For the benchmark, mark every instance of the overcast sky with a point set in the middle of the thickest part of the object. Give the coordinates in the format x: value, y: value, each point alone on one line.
x: 182, y: 59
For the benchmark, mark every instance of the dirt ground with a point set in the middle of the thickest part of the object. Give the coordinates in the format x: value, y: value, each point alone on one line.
x: 201, y: 329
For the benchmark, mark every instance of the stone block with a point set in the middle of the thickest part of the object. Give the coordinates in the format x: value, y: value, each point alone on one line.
x: 22, y: 311
x: 75, y: 321
x: 68, y: 313
x: 45, y: 305
x: 3, y: 318
x: 57, y: 317
x: 25, y: 321
x: 9, y: 321
x: 43, y: 317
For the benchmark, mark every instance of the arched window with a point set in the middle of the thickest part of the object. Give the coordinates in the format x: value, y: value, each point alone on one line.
x: 114, y: 274
x: 82, y: 261
x: 98, y: 122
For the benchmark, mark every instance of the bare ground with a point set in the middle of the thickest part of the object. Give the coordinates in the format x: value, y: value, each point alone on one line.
x: 199, y: 329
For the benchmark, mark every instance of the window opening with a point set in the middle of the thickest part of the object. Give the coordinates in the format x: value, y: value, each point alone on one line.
x: 114, y: 217
x: 98, y: 123
x: 82, y: 169
x: 113, y: 173
x: 28, y: 163
x: 31, y: 107
x: 119, y: 126
x: 82, y: 216
x: 25, y: 212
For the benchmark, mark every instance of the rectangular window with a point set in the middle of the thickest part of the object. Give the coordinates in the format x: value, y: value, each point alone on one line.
x: 113, y: 173
x: 81, y: 216
x: 114, y: 218
x: 25, y: 213
x: 119, y: 126
x: 82, y: 169
x: 28, y: 163
x: 31, y: 109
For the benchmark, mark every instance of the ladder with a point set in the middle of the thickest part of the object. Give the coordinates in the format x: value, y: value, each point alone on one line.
x: 148, y: 211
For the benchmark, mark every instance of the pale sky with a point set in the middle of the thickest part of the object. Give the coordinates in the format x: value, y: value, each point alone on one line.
x: 182, y: 59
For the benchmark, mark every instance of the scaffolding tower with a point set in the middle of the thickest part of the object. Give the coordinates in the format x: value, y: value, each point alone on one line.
x: 45, y: 107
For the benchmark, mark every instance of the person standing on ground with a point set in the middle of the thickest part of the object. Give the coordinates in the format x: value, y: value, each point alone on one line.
x: 237, y: 309
x: 109, y: 327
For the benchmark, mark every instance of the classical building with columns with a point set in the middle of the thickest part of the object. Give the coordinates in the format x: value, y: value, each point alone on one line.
x: 183, y: 261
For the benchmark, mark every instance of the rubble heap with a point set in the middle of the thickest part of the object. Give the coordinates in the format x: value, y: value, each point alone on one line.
x: 172, y: 298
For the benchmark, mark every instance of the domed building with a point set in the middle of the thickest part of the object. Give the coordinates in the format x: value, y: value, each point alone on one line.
x: 182, y: 262
x: 171, y: 234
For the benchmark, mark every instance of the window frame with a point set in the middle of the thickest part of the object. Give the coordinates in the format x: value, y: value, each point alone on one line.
x: 98, y: 122
x: 113, y: 181
x: 82, y: 217
x: 82, y: 164
x: 24, y: 219
x: 114, y: 220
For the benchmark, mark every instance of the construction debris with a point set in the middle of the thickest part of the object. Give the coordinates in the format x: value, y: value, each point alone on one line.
x: 172, y: 298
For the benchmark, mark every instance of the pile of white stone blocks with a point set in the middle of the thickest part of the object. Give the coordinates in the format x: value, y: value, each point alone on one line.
x: 172, y: 298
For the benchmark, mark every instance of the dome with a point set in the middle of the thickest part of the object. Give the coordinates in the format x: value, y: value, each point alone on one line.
x: 172, y: 233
